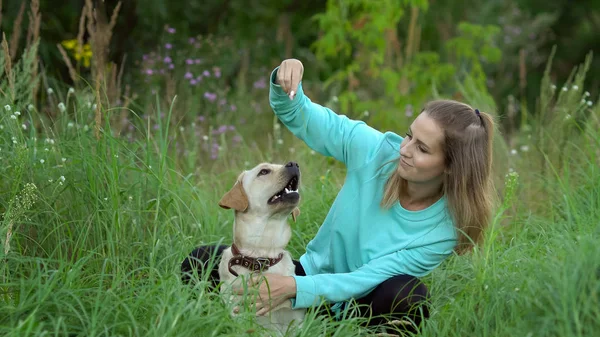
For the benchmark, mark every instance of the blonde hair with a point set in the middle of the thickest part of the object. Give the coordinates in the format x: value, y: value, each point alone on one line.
x: 467, y: 183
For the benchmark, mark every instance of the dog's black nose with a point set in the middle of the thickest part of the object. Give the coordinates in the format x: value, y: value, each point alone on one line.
x: 291, y: 164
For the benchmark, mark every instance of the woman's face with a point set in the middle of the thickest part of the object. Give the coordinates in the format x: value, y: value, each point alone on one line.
x: 422, y: 153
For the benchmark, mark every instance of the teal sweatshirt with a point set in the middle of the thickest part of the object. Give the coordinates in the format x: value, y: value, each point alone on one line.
x: 360, y: 244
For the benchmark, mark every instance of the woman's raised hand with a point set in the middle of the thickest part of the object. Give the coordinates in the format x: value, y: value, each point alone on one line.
x: 289, y: 76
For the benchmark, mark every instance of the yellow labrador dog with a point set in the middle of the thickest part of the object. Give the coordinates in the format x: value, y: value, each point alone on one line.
x: 263, y: 198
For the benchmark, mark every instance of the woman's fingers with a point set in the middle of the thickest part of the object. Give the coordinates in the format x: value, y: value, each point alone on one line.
x: 289, y: 76
x: 263, y: 311
x: 296, y: 79
x: 281, y: 75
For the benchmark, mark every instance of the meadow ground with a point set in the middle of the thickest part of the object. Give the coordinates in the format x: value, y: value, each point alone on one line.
x: 96, y: 220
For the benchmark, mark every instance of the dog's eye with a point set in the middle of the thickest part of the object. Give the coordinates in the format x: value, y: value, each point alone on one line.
x: 264, y: 172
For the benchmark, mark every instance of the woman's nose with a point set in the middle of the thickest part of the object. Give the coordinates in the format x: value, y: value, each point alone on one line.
x: 405, y: 150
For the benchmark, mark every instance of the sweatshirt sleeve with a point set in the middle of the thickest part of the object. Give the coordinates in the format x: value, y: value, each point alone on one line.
x: 350, y: 141
x: 418, y: 262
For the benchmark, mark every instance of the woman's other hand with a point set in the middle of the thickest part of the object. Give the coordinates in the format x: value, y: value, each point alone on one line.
x: 273, y: 290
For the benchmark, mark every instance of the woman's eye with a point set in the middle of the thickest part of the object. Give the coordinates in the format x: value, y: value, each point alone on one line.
x: 408, y: 135
x: 263, y: 172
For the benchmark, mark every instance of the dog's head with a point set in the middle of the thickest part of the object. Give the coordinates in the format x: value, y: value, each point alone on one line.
x: 266, y: 190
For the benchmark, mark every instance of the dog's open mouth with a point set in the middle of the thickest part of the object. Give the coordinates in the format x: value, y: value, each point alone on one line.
x: 290, y: 190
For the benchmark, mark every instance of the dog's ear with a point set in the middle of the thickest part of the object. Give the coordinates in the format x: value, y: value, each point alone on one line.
x: 236, y: 198
x: 295, y: 213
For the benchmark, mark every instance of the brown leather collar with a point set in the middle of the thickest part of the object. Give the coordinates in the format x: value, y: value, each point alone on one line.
x: 252, y: 263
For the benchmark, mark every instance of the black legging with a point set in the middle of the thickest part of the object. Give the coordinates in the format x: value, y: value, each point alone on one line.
x: 397, y: 298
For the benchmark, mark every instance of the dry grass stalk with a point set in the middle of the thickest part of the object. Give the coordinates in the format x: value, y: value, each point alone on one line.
x: 16, y: 33
x: 82, y: 27
x: 8, y: 68
x: 98, y: 112
x: 33, y: 35
x: 72, y: 71
x: 8, y: 236
x: 35, y: 20
x: 91, y: 28
x: 522, y: 72
x: 120, y: 76
x: 417, y: 45
x: 393, y: 53
x: 410, y: 44
x: 100, y: 33
x: 113, y: 84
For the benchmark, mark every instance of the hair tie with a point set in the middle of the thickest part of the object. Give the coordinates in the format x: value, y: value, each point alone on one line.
x: 480, y: 118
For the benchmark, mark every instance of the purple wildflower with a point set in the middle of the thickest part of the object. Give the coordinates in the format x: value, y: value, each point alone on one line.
x: 217, y: 72
x: 171, y: 66
x: 171, y: 30
x: 149, y: 71
x: 189, y: 61
x: 201, y: 118
x: 198, y: 61
x: 231, y: 128
x: 222, y: 128
x: 222, y: 102
x: 408, y: 110
x: 168, y: 46
x: 193, y: 82
x: 167, y: 59
x: 237, y: 138
x: 210, y: 96
x: 260, y: 84
x: 188, y: 76
x: 191, y: 40
x: 206, y: 73
x: 232, y: 107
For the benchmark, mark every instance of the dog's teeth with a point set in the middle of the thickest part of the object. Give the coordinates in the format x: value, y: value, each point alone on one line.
x: 286, y: 190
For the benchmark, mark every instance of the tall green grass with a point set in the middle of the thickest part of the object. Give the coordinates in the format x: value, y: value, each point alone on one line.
x: 97, y: 228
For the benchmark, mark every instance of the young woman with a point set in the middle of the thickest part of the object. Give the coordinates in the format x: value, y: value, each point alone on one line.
x: 406, y: 205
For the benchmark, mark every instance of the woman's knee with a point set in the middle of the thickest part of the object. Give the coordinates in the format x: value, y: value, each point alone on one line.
x: 398, y: 297
x: 410, y: 295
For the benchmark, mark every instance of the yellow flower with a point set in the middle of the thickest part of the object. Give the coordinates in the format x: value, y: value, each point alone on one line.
x: 84, y: 53
x: 69, y: 44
